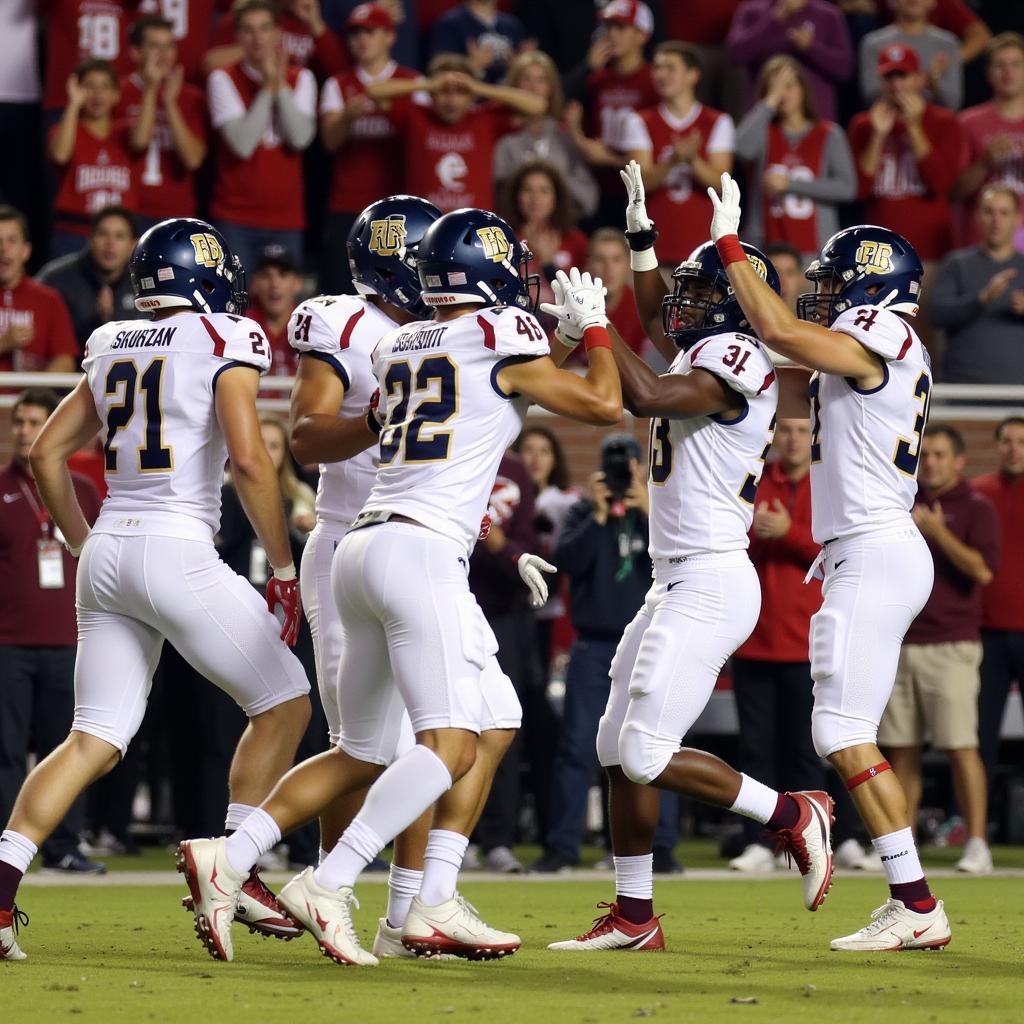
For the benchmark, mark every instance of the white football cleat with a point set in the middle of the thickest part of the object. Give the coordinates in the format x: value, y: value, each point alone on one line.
x: 893, y: 927
x: 613, y: 931
x: 809, y: 844
x: 977, y: 858
x: 259, y: 911
x: 327, y: 916
x: 455, y: 927
x: 755, y: 859
x: 10, y: 921
x: 215, y: 887
x: 387, y: 943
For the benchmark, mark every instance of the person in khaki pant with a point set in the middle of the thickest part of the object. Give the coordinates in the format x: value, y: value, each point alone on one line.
x: 937, y: 683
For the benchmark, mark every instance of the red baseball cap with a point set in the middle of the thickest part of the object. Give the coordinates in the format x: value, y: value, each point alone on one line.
x: 898, y: 58
x: 629, y: 12
x: 369, y: 16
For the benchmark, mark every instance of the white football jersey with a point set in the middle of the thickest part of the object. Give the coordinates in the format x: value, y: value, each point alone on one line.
x: 343, y: 330
x: 153, y: 384
x: 447, y: 422
x: 704, y: 470
x: 865, y: 445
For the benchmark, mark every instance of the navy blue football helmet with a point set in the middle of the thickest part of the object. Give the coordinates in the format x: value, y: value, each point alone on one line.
x: 867, y: 266
x: 382, y: 250
x: 703, y: 302
x: 474, y: 256
x: 185, y: 262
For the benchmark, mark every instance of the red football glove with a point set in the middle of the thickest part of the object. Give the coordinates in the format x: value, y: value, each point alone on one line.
x: 285, y: 594
x: 485, y: 527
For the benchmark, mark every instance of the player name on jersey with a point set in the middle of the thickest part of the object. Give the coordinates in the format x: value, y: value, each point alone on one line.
x: 418, y: 340
x: 146, y: 337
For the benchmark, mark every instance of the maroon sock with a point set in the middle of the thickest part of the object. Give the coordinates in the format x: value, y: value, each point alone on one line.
x: 786, y: 815
x: 10, y: 879
x: 635, y: 910
x: 914, y: 895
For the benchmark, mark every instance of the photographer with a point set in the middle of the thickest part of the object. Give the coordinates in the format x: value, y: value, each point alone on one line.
x: 603, y: 550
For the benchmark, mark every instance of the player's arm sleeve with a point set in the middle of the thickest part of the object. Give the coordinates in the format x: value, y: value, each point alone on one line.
x: 738, y: 362
x: 237, y: 341
x: 310, y: 334
x: 883, y: 333
x: 514, y: 336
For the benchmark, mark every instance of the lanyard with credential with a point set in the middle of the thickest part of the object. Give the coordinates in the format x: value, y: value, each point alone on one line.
x: 42, y: 516
x: 48, y: 550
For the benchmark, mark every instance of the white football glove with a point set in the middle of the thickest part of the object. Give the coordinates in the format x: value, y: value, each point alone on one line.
x: 582, y: 301
x: 532, y: 568
x: 636, y: 198
x: 726, y: 218
x: 566, y: 330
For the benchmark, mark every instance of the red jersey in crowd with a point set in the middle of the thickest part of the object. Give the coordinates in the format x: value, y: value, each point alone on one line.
x: 265, y: 190
x: 791, y: 218
x: 166, y: 188
x: 451, y: 164
x: 284, y: 360
x: 781, y: 633
x: 706, y: 23
x: 324, y: 56
x: 369, y: 163
x: 101, y: 172
x: 32, y: 615
x: 193, y: 28
x: 911, y: 196
x: 626, y: 320
x: 980, y: 126
x: 1002, y: 601
x: 76, y: 30
x: 681, y: 210
x: 610, y: 97
x: 38, y: 306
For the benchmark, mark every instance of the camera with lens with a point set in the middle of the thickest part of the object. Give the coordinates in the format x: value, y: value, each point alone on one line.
x: 616, y: 454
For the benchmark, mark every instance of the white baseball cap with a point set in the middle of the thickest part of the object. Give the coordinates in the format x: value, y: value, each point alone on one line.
x: 629, y: 12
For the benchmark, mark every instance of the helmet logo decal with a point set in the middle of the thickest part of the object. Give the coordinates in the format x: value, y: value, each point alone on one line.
x: 208, y: 250
x: 874, y: 258
x: 495, y: 243
x: 387, y: 237
x: 759, y: 266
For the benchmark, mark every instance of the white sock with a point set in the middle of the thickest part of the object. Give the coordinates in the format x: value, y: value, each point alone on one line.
x: 403, y: 886
x: 441, y: 864
x: 258, y: 834
x: 406, y: 789
x: 899, y: 856
x: 755, y: 800
x: 237, y: 813
x: 17, y: 850
x: 634, y: 876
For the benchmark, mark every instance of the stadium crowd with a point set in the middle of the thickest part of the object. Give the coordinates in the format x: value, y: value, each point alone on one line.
x: 280, y: 122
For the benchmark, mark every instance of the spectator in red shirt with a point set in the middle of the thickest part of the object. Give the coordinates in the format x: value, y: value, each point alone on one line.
x: 908, y: 155
x: 192, y: 24
x: 614, y: 80
x: 264, y: 112
x: 704, y: 27
x: 771, y: 672
x: 275, y: 288
x: 361, y: 134
x: 92, y: 149
x: 449, y: 145
x: 538, y: 206
x: 937, y: 681
x: 1002, y: 601
x: 608, y: 259
x: 168, y: 118
x: 35, y: 328
x: 307, y: 40
x: 683, y: 148
x: 994, y: 134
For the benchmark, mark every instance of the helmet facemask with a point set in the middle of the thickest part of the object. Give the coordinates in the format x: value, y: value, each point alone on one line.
x: 696, y: 308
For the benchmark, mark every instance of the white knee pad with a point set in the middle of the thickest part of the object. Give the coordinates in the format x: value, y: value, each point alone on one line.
x: 643, y: 757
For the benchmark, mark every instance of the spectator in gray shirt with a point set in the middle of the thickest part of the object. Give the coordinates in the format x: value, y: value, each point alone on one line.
x: 938, y: 50
x: 94, y: 282
x: 801, y: 165
x: 978, y: 298
x: 543, y: 137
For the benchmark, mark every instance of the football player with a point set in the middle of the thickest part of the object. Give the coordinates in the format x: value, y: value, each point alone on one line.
x: 869, y: 396
x: 454, y: 393
x: 712, y: 418
x: 174, y: 398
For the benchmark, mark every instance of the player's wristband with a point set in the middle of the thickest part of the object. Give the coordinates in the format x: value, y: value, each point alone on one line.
x: 645, y: 259
x: 373, y: 424
x: 286, y: 574
x: 596, y: 337
x: 642, y: 239
x: 730, y: 250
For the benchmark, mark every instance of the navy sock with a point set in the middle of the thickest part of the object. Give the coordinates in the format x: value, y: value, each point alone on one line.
x: 786, y: 814
x: 634, y: 910
x: 10, y: 879
x: 914, y: 896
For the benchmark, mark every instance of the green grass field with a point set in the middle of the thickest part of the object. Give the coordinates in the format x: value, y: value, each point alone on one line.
x: 743, y: 950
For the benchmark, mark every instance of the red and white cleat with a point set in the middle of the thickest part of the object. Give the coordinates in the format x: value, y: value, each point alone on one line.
x: 809, y: 844
x: 613, y: 931
x: 215, y: 888
x: 259, y: 910
x: 327, y: 916
x: 893, y: 928
x: 455, y: 927
x: 10, y: 922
